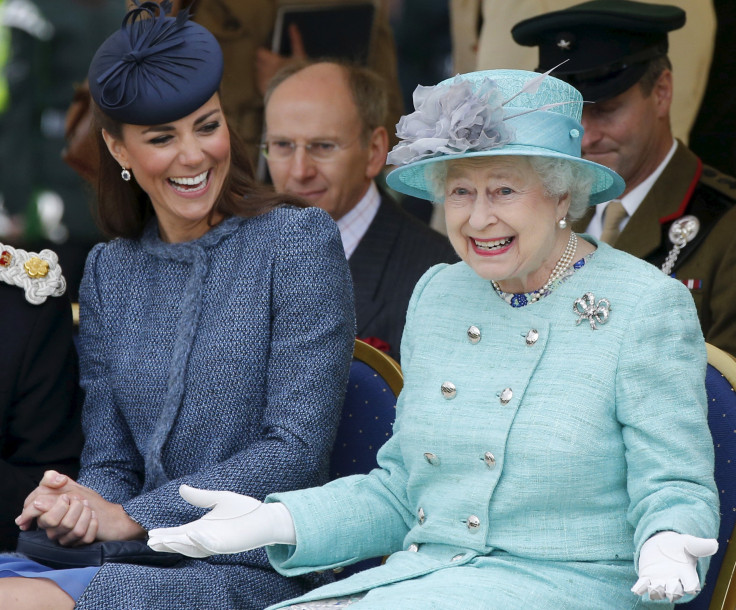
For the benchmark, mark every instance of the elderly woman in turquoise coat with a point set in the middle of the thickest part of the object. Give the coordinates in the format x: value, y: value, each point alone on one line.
x: 551, y: 447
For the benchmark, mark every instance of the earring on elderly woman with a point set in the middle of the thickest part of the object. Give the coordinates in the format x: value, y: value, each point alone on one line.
x: 125, y: 175
x: 562, y: 223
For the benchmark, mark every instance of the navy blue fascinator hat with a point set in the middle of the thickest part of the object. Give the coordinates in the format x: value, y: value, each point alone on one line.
x: 155, y: 69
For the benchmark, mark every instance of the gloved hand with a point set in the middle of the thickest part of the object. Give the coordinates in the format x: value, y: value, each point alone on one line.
x: 236, y: 523
x: 667, y: 565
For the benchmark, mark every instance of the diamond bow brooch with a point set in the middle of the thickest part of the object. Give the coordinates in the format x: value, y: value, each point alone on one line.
x: 587, y: 309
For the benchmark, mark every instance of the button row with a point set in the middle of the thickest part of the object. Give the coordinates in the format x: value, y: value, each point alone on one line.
x: 474, y: 335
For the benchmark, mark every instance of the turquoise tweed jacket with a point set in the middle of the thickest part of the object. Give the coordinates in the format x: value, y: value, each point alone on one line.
x: 220, y: 363
x: 560, y: 451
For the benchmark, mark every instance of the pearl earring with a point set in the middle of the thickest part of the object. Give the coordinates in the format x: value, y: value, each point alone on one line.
x: 125, y: 175
x: 562, y: 223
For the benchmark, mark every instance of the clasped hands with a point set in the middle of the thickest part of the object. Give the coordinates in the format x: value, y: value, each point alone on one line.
x: 73, y: 514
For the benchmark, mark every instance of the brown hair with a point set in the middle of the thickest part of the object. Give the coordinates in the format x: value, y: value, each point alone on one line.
x: 368, y: 89
x: 123, y: 209
x: 654, y: 70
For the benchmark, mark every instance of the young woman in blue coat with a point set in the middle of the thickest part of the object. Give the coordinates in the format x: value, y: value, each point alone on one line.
x: 551, y: 447
x: 215, y: 340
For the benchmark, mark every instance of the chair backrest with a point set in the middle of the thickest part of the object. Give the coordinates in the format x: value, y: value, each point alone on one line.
x: 719, y: 592
x: 368, y: 412
x: 368, y: 415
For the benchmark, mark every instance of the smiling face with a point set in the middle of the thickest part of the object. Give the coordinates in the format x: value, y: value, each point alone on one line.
x: 181, y: 166
x: 630, y: 133
x: 502, y: 223
x: 316, y: 106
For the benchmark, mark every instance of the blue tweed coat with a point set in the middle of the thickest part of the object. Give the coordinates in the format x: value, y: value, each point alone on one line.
x: 220, y: 363
x: 540, y: 496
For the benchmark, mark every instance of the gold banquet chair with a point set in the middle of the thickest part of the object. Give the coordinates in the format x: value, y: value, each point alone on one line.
x: 719, y: 592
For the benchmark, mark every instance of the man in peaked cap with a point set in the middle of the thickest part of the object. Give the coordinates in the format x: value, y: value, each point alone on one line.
x: 676, y: 212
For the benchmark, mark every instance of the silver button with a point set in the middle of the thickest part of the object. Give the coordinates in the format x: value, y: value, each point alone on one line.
x: 473, y: 523
x: 489, y: 459
x: 413, y: 547
x: 448, y: 390
x: 474, y: 334
x: 531, y: 337
x: 432, y: 459
x: 420, y: 514
x: 506, y: 396
x: 458, y: 557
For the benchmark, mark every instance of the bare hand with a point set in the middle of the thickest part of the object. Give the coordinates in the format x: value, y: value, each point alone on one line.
x: 65, y: 509
x: 268, y: 62
x: 70, y: 521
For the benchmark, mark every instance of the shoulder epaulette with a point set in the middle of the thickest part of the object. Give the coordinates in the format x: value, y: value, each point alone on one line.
x: 38, y: 274
x: 718, y: 181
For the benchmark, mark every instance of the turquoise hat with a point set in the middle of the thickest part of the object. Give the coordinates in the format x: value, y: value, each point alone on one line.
x: 493, y: 113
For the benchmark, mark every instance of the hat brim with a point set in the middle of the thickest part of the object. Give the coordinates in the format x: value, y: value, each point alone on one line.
x: 411, y: 179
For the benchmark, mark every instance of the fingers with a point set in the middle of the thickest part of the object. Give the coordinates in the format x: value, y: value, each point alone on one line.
x: 690, y: 582
x: 84, y: 530
x: 700, y: 547
x: 40, y: 505
x: 69, y: 521
x: 671, y: 590
x: 57, y: 512
x: 203, y: 498
x: 54, y: 480
x: 297, y: 42
x: 174, y: 544
x: 640, y: 586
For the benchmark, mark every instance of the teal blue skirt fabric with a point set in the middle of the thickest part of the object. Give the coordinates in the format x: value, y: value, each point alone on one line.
x: 74, y: 581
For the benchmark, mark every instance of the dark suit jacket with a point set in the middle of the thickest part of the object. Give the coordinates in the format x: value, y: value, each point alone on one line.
x: 39, y: 406
x: 393, y: 254
x: 707, y: 265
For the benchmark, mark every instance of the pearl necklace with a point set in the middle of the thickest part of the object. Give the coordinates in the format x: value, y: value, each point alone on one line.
x: 559, y: 269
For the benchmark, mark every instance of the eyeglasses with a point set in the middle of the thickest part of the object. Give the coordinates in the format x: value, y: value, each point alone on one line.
x: 280, y: 149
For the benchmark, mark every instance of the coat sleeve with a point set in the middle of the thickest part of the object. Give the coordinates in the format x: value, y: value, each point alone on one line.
x: 118, y: 474
x: 359, y: 516
x: 661, y: 404
x: 312, y: 340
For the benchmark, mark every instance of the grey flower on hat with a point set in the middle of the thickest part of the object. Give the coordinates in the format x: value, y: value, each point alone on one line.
x: 452, y: 119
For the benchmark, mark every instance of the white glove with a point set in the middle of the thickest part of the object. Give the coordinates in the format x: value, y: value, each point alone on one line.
x: 667, y: 565
x: 236, y: 523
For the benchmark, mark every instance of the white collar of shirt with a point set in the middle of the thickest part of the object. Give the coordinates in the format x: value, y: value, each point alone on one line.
x: 632, y: 200
x: 356, y: 222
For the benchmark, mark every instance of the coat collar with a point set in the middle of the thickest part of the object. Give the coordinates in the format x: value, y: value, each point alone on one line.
x: 667, y: 200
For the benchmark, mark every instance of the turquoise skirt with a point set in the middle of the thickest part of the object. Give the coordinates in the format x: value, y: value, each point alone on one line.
x: 73, y: 581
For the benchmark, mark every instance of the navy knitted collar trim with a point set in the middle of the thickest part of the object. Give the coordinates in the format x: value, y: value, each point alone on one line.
x: 154, y: 245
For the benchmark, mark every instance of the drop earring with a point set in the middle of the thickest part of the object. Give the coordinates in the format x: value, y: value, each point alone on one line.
x: 125, y: 175
x: 562, y: 223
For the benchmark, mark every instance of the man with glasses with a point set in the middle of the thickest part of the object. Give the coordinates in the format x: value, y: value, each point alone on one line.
x: 325, y: 141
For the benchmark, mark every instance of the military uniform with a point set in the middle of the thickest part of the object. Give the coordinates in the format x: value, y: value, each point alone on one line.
x: 39, y: 396
x: 688, y: 188
x: 686, y: 223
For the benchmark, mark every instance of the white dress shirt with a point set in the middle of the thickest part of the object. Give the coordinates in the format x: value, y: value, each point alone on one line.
x: 356, y: 222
